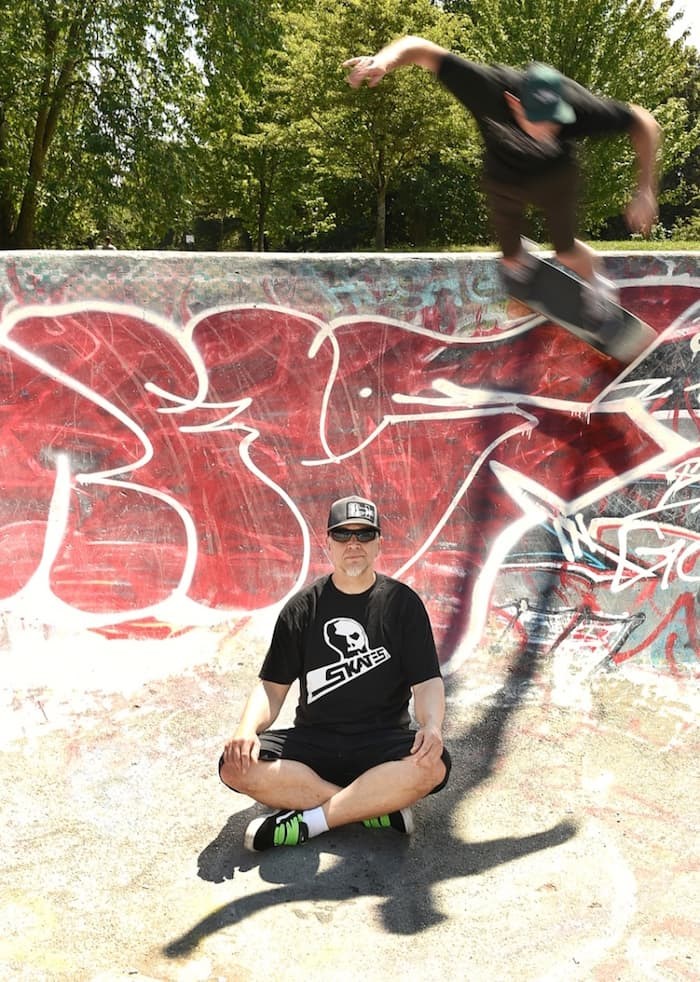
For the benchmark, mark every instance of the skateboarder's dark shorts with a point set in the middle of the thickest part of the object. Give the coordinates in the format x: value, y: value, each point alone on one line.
x: 554, y: 194
x: 341, y: 757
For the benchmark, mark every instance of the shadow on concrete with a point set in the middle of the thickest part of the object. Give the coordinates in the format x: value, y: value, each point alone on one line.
x: 358, y: 863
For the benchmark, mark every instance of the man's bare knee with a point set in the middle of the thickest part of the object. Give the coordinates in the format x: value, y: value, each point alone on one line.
x: 428, y: 774
x: 234, y: 778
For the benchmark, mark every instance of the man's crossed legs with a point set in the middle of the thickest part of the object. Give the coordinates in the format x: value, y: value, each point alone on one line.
x: 319, y: 780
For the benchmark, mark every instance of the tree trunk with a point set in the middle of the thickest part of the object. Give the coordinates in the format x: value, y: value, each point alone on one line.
x: 262, y: 214
x: 7, y: 211
x: 380, y: 230
x: 266, y: 180
x: 52, y: 98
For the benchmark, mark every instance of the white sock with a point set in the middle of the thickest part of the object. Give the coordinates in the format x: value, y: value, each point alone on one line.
x: 315, y: 821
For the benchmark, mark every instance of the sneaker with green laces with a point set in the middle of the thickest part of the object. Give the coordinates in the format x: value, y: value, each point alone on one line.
x: 284, y: 828
x: 401, y: 821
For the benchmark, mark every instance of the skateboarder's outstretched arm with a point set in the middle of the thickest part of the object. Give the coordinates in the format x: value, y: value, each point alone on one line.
x: 407, y: 50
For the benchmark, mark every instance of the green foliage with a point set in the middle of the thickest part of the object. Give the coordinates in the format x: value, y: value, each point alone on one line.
x: 377, y: 137
x: 145, y: 121
x: 89, y: 93
x: 253, y: 161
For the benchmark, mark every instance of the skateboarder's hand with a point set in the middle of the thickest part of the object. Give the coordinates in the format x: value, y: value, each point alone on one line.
x: 642, y: 211
x: 365, y: 69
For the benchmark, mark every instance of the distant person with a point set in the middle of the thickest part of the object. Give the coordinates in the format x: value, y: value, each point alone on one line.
x: 360, y: 644
x: 529, y: 121
x: 108, y: 244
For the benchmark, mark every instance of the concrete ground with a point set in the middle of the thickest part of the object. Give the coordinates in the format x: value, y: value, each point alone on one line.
x: 564, y: 848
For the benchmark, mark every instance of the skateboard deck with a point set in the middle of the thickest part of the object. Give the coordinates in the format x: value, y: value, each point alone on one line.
x: 557, y: 294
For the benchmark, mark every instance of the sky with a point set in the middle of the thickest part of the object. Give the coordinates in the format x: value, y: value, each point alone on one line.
x: 691, y: 20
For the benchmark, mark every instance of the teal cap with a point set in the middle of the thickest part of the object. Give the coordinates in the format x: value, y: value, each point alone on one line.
x: 541, y: 96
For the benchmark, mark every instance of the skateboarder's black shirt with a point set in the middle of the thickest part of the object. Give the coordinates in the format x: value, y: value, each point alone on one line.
x: 510, y: 154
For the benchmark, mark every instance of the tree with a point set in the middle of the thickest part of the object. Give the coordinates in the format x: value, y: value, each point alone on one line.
x: 259, y: 168
x: 253, y: 164
x: 84, y: 82
x: 138, y: 118
x: 380, y: 135
x: 680, y: 211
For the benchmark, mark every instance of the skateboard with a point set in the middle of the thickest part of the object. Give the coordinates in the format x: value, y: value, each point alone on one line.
x: 557, y: 293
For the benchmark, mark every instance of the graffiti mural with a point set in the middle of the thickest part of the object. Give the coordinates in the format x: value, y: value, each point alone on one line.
x: 174, y: 427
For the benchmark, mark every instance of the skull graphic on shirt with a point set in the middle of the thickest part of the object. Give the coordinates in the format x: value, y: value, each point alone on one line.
x: 346, y: 636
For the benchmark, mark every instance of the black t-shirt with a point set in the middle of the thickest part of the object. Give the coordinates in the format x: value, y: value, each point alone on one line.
x: 510, y: 154
x: 356, y: 655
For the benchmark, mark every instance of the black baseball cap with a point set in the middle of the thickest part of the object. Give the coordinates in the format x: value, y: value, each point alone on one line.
x: 542, y: 96
x: 355, y: 510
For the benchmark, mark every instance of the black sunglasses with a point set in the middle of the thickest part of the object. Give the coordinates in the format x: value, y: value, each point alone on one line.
x: 362, y: 535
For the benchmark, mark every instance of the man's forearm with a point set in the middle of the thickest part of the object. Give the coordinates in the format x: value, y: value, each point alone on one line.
x: 262, y: 708
x: 429, y: 703
x: 645, y: 135
x: 407, y: 50
x: 411, y: 50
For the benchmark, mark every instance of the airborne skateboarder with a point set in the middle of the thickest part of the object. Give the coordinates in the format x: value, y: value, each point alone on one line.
x: 529, y: 121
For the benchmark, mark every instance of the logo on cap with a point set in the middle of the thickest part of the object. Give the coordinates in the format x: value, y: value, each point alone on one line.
x: 361, y: 509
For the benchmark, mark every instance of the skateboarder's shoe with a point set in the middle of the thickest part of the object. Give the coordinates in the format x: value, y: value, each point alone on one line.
x: 283, y: 828
x: 517, y: 280
x: 401, y: 821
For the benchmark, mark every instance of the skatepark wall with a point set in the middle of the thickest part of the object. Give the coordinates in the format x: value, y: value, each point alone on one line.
x: 174, y: 427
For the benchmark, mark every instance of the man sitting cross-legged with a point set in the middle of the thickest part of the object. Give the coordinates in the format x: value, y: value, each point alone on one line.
x: 360, y: 643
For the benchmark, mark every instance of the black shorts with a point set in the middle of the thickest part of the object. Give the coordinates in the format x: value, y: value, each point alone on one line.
x: 340, y: 757
x: 555, y: 195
